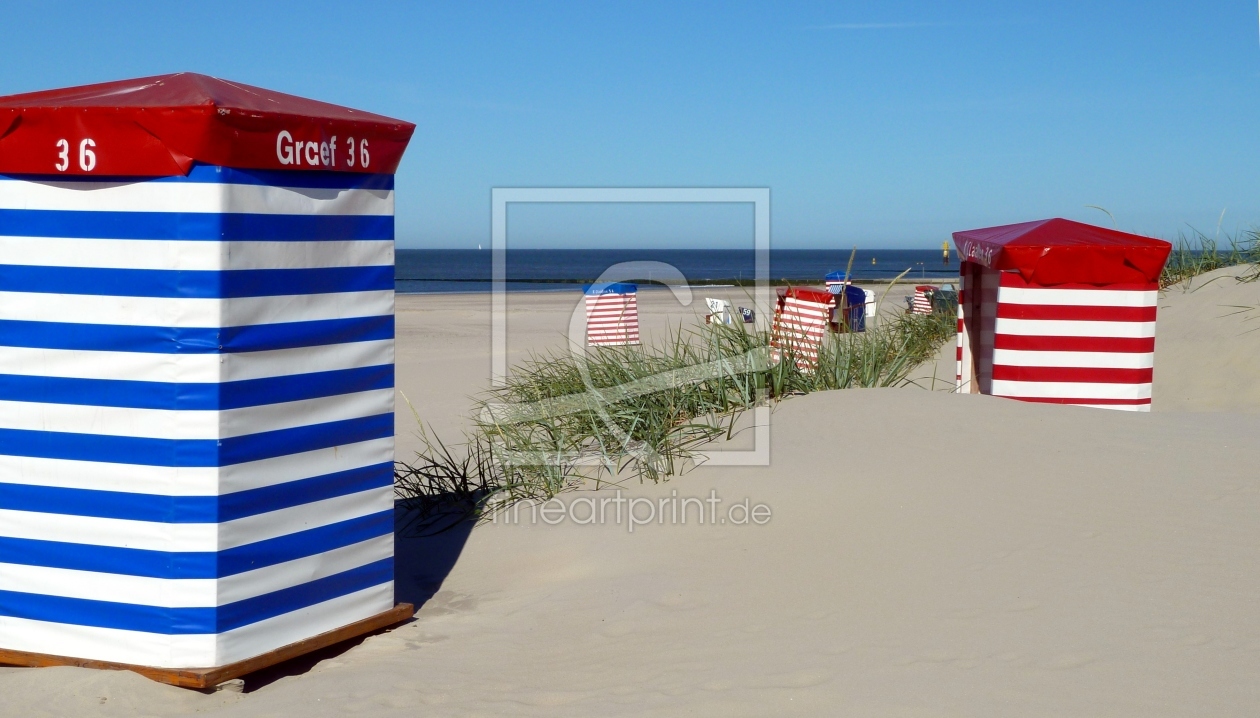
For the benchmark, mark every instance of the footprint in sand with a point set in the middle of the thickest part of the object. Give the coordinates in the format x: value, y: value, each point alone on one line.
x: 446, y: 602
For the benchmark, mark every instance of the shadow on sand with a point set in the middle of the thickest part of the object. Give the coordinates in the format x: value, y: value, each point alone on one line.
x: 422, y: 561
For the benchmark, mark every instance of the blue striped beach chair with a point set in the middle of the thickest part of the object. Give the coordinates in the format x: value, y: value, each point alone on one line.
x: 196, y: 401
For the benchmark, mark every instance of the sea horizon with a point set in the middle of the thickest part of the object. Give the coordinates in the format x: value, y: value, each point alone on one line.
x: 440, y: 271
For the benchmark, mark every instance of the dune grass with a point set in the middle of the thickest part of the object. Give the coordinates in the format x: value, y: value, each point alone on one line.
x: 1197, y: 254
x: 613, y: 413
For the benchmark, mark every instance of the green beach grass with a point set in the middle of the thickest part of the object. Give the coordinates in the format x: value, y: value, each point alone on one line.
x: 1196, y: 253
x: 612, y: 413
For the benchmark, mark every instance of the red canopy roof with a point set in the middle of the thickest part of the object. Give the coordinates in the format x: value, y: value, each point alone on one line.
x: 156, y: 126
x: 1060, y: 251
x: 807, y: 294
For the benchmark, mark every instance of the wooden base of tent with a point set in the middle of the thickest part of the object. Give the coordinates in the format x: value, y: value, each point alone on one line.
x: 211, y: 677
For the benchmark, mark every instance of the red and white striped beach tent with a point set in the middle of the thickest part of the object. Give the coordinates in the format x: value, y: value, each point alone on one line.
x: 920, y: 303
x: 801, y: 319
x: 612, y: 314
x: 1059, y: 312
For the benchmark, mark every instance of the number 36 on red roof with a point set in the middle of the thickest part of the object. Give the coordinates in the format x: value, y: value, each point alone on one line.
x: 161, y: 126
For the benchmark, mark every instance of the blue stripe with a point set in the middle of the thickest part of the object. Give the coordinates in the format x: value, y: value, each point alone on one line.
x: 291, y: 335
x: 193, y: 452
x: 194, y: 396
x: 207, y: 226
x: 193, y: 509
x: 192, y: 284
x: 175, y: 340
x: 286, y: 600
x: 270, y: 444
x: 188, y: 621
x: 210, y: 174
x: 204, y: 564
x: 275, y: 390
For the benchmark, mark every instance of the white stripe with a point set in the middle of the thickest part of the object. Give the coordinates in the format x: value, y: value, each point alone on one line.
x: 283, y: 469
x: 193, y: 481
x: 192, y: 255
x: 206, y: 313
x: 292, y: 414
x: 158, y: 536
x: 181, y: 424
x: 191, y: 593
x: 122, y: 533
x: 109, y: 644
x: 1078, y: 297
x: 283, y: 522
x: 1100, y: 360
x: 306, y: 360
x: 258, y: 638
x: 1117, y: 407
x: 193, y: 368
x: 1070, y: 390
x: 1071, y: 328
x: 196, y: 650
x: 191, y: 197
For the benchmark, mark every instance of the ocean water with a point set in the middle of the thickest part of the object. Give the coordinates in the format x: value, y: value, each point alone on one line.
x: 419, y: 271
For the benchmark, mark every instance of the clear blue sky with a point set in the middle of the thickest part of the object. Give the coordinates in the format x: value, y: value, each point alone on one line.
x: 880, y: 124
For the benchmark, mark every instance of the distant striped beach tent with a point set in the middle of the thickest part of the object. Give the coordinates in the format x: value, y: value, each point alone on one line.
x: 1059, y: 312
x: 612, y: 314
x: 853, y: 300
x: 861, y: 302
x: 921, y: 302
x: 197, y: 382
x: 837, y: 278
x: 801, y: 319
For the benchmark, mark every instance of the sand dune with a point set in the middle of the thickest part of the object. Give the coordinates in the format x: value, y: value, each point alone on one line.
x: 927, y: 554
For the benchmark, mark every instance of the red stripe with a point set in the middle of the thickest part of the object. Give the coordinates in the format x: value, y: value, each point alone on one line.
x: 1140, y: 345
x: 1113, y: 402
x: 1082, y: 375
x: 1014, y: 279
x: 1075, y: 313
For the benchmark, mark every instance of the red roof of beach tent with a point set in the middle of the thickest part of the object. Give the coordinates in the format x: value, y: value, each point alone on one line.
x: 160, y: 126
x: 807, y: 294
x: 1060, y: 251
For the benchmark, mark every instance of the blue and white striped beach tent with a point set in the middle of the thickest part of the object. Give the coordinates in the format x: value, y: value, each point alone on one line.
x: 196, y: 409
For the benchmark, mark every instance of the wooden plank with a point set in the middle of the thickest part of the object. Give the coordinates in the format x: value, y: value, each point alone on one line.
x: 210, y: 677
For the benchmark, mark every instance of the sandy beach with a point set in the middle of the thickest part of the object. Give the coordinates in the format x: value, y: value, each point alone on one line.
x: 924, y: 554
